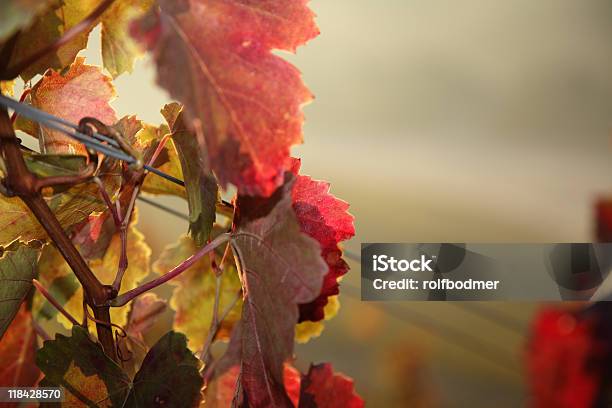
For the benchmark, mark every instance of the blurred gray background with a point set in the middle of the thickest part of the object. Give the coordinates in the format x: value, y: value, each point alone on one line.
x: 438, y: 120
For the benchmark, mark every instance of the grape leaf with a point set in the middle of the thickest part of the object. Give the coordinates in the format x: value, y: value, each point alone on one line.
x: 69, y: 206
x: 169, y: 376
x: 81, y: 91
x: 194, y: 292
x: 322, y: 388
x: 118, y: 48
x: 53, y: 268
x: 79, y: 365
x: 220, y: 392
x: 17, y: 350
x: 247, y: 100
x: 147, y: 140
x: 326, y: 219
x: 280, y: 267
x: 200, y: 183
x: 17, y: 269
x: 145, y: 311
x: 45, y: 30
x: 306, y: 330
x: 7, y: 87
x: 19, y: 13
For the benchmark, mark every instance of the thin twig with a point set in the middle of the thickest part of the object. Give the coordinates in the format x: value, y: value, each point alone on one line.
x: 42, y: 333
x: 54, y: 302
x: 177, y: 270
x: 212, y: 334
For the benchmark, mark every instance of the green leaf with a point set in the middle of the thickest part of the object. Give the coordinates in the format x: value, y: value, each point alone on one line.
x: 147, y: 140
x: 47, y: 165
x: 18, y: 266
x: 169, y: 376
x: 19, y: 13
x: 200, y: 183
x: 88, y: 376
x: 118, y: 49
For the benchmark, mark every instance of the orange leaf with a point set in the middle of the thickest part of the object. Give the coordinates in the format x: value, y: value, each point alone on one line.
x: 82, y: 91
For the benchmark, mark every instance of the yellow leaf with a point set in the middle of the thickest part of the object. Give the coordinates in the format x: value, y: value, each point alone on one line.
x: 56, y: 273
x: 167, y: 161
x: 118, y: 49
x: 307, y: 330
x: 194, y: 294
x: 7, y: 87
x: 47, y: 29
x: 70, y: 208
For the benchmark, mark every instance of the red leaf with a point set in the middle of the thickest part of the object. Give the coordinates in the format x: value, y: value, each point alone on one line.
x: 280, y: 267
x: 247, y: 99
x: 604, y: 220
x: 220, y: 393
x: 321, y: 388
x: 83, y: 90
x: 326, y: 219
x: 17, y: 350
x: 560, y: 360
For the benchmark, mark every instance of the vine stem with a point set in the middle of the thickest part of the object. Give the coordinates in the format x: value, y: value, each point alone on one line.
x: 21, y: 182
x: 70, y: 34
x: 176, y: 271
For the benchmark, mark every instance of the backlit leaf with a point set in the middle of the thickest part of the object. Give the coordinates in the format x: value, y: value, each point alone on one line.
x: 247, y: 99
x: 280, y: 267
x: 306, y: 330
x: 326, y: 219
x: 7, y: 87
x: 194, y: 293
x: 17, y: 269
x: 147, y: 140
x: 80, y: 366
x: 53, y: 268
x: 118, y: 48
x: 220, y: 392
x: 81, y: 91
x: 17, y: 350
x: 200, y: 183
x: 322, y: 388
x: 70, y: 207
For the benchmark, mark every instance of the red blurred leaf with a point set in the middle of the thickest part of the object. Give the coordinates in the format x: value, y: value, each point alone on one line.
x: 561, y: 360
x: 280, y: 267
x: 248, y: 100
x: 322, y: 388
x: 604, y: 220
x: 17, y: 352
x: 326, y: 219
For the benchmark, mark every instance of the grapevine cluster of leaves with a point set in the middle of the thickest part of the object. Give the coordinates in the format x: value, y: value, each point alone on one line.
x: 237, y: 115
